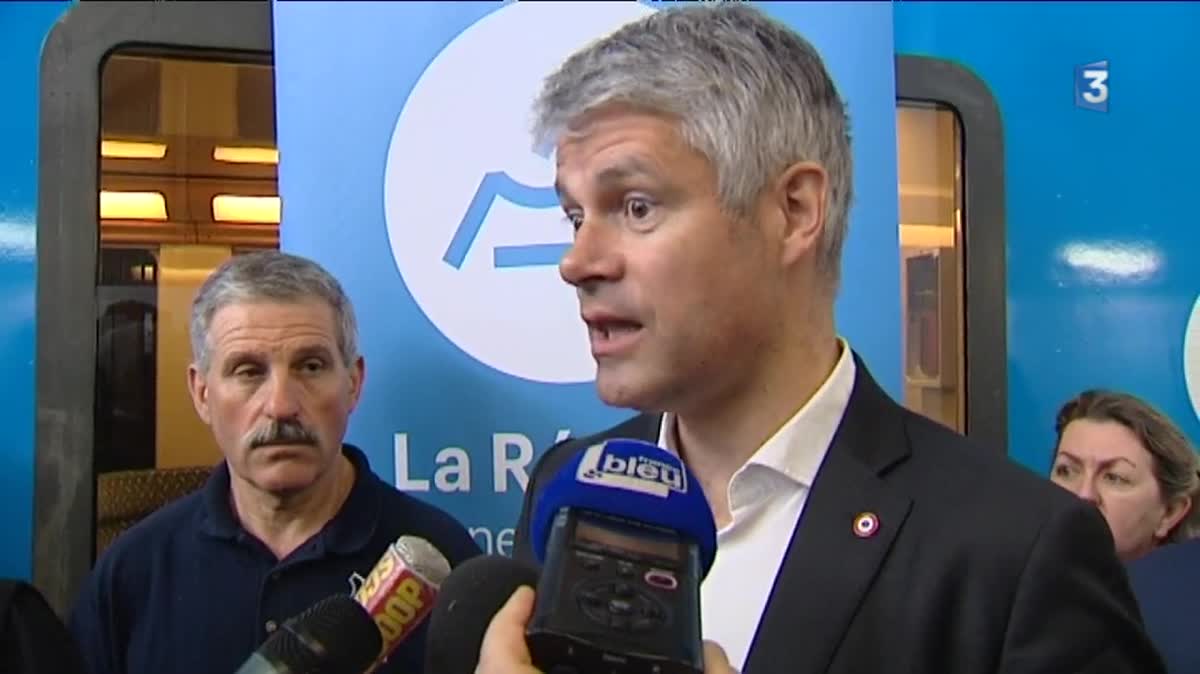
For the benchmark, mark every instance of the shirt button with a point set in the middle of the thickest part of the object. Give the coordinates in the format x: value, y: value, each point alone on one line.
x: 270, y: 626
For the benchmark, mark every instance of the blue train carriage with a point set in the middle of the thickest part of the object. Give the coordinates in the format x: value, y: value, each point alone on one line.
x: 1045, y: 242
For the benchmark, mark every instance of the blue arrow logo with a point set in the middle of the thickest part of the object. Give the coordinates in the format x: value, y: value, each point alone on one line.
x: 500, y: 184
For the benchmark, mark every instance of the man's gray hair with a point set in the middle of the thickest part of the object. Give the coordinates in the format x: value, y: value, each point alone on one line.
x: 273, y: 276
x: 751, y: 95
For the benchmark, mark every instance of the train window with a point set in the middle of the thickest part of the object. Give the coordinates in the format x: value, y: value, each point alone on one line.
x: 929, y: 140
x: 188, y: 177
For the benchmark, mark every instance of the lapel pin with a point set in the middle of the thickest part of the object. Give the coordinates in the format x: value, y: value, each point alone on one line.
x: 866, y: 525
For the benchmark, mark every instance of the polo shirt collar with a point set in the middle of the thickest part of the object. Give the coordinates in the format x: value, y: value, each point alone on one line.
x: 348, y: 532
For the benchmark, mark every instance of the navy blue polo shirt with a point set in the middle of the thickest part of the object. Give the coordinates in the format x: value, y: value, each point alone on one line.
x: 188, y: 591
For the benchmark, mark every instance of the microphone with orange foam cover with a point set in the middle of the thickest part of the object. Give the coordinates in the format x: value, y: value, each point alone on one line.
x: 400, y: 591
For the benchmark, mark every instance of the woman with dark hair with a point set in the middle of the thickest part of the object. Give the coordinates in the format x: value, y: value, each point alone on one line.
x: 1120, y: 453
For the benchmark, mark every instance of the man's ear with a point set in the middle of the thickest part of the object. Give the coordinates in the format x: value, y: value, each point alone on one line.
x: 358, y: 376
x: 198, y: 387
x: 801, y: 195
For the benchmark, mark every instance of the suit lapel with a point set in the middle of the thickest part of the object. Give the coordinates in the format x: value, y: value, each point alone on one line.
x: 828, y: 566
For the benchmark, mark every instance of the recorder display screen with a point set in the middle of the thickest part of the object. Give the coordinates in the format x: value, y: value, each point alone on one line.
x: 587, y: 532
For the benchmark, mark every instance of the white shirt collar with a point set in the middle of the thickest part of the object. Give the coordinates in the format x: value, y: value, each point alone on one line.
x: 797, y: 449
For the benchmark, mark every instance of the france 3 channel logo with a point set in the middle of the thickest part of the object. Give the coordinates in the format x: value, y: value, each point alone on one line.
x: 1091, y: 86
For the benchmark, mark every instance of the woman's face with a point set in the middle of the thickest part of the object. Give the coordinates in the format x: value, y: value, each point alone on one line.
x: 1104, y: 462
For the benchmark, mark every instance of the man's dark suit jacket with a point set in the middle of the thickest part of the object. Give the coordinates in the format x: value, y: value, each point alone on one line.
x: 1166, y: 583
x: 979, y: 565
x: 33, y: 640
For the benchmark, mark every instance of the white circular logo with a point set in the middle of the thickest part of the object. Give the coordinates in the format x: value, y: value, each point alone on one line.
x: 471, y: 211
x: 1191, y: 356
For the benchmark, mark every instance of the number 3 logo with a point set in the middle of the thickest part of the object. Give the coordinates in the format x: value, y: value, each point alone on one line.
x: 1098, y: 85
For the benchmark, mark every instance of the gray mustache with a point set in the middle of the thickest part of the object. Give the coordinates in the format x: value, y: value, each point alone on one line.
x: 281, y: 432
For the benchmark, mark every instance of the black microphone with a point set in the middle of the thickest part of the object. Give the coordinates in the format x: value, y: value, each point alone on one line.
x: 334, y: 636
x: 470, y: 597
x: 625, y: 536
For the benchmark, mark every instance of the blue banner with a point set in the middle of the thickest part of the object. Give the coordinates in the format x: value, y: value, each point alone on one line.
x: 407, y: 170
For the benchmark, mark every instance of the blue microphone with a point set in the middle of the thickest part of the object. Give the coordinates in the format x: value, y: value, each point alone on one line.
x: 625, y: 535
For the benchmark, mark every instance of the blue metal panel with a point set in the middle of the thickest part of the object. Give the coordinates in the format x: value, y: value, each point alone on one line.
x: 1103, y: 248
x: 23, y: 28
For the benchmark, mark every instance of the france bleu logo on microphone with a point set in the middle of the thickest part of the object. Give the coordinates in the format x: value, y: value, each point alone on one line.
x: 631, y: 465
x: 631, y: 480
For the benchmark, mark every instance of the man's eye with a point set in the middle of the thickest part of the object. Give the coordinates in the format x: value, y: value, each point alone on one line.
x: 637, y: 208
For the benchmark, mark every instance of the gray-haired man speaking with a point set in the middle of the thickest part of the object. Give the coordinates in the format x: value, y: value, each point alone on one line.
x: 703, y: 157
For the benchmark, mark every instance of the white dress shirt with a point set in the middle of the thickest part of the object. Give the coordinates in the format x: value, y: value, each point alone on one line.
x: 766, y: 496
